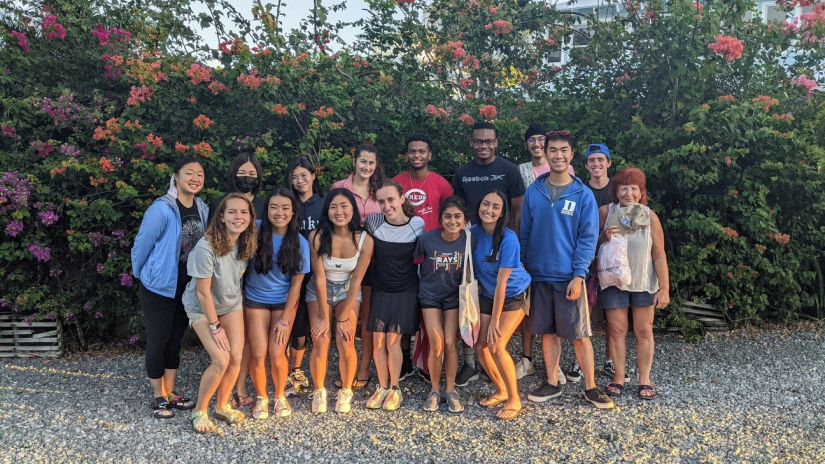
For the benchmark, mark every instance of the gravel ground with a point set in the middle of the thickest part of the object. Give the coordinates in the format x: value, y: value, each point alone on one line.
x: 740, y: 397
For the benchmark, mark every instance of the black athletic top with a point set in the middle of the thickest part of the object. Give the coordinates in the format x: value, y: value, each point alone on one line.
x: 394, y: 270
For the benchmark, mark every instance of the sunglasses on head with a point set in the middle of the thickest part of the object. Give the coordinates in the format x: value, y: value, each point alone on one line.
x: 563, y: 133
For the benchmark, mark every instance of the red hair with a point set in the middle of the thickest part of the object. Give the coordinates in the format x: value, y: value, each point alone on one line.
x: 629, y: 176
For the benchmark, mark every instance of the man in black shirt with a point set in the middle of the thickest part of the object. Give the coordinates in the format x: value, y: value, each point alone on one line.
x: 487, y: 172
x: 597, y: 162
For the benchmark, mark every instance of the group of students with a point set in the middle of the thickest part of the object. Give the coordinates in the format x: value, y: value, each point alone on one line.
x: 255, y: 276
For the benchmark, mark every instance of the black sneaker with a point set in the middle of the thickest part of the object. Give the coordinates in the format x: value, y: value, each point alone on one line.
x: 466, y: 375
x: 544, y: 392
x: 482, y: 374
x: 423, y: 375
x: 406, y: 369
x: 610, y: 371
x: 575, y: 373
x: 598, y: 398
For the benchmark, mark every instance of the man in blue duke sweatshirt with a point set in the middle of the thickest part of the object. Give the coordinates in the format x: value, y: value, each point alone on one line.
x: 559, y: 231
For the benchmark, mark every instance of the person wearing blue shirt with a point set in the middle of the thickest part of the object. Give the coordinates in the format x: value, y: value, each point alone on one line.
x: 273, y: 286
x: 559, y: 230
x: 502, y: 299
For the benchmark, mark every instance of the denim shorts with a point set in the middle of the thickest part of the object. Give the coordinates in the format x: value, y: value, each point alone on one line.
x: 336, y: 292
x: 195, y: 316
x: 613, y: 297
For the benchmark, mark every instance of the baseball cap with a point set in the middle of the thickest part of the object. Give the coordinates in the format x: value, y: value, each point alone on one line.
x: 597, y: 148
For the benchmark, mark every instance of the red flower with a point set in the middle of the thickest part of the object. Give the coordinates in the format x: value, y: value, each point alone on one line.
x: 279, y: 109
x: 488, y: 111
x: 181, y: 148
x: 202, y: 122
x: 466, y: 119
x: 203, y: 149
x: 729, y: 47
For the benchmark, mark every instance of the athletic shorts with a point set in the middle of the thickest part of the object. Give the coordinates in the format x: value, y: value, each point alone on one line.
x: 444, y: 303
x: 510, y: 304
x: 552, y: 313
x: 251, y: 305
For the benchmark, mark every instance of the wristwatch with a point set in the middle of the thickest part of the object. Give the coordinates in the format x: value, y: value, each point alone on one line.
x: 215, y: 326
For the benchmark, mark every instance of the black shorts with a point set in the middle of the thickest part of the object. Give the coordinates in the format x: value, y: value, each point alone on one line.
x: 250, y: 305
x: 444, y: 303
x: 510, y: 304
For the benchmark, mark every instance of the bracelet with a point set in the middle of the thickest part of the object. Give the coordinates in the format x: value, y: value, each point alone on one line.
x: 281, y: 321
x: 345, y: 320
x: 217, y: 332
x: 213, y: 323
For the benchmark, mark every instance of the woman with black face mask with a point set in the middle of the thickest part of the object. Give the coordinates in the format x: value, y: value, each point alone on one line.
x: 244, y: 177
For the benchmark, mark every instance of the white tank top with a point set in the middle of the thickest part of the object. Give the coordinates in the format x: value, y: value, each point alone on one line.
x: 340, y: 269
x: 639, y: 245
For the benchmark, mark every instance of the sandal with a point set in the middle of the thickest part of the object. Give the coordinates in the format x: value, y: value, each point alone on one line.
x: 180, y: 402
x: 357, y: 384
x: 647, y: 388
x: 161, y: 409
x: 229, y: 415
x: 202, y: 424
x: 614, y: 389
x: 489, y: 403
x: 240, y: 400
x: 506, y: 415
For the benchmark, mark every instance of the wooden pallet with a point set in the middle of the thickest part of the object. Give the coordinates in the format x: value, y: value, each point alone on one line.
x: 19, y: 339
x: 711, y: 318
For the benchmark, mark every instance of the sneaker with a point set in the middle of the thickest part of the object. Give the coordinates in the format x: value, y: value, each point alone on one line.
x: 376, y: 401
x: 482, y: 374
x: 261, y: 409
x: 610, y: 371
x: 432, y: 401
x: 544, y: 392
x: 406, y: 369
x: 290, y: 389
x: 561, y: 377
x: 454, y: 403
x: 524, y: 368
x: 282, y: 408
x: 423, y: 375
x: 298, y: 378
x: 319, y: 401
x: 466, y: 375
x: 393, y: 400
x: 343, y: 400
x: 598, y: 398
x: 575, y: 374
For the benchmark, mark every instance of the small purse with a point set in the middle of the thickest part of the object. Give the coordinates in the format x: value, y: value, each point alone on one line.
x: 469, y: 312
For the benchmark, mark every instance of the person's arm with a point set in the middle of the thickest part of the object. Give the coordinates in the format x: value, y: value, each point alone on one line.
x: 204, y: 290
x: 525, y: 230
x: 284, y: 325
x: 151, y: 228
x: 662, y: 298
x: 347, y: 326
x: 588, y: 236
x: 493, y: 331
x: 515, y: 203
x: 320, y: 275
x: 608, y: 233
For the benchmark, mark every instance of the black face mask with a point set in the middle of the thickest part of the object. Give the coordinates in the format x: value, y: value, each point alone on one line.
x: 246, y: 184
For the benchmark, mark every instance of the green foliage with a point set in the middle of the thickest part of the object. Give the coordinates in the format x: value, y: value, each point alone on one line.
x: 731, y: 140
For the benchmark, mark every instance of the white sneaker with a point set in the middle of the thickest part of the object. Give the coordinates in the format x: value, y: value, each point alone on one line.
x: 524, y: 368
x: 319, y: 401
x: 282, y: 408
x: 343, y: 403
x: 261, y: 409
x: 562, y: 378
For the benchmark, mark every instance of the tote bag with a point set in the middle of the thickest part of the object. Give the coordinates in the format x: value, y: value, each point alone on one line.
x: 468, y: 308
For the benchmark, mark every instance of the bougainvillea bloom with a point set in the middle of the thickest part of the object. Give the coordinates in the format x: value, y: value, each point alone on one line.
x: 488, y: 111
x: 466, y: 119
x: 803, y: 81
x: 21, y: 40
x: 53, y: 29
x: 279, y: 109
x: 729, y: 47
x: 202, y: 122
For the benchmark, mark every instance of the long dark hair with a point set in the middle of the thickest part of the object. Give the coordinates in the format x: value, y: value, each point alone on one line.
x: 501, y: 225
x: 290, y: 260
x: 454, y: 201
x: 378, y: 175
x: 236, y: 164
x: 302, y: 162
x: 407, y: 208
x: 325, y: 227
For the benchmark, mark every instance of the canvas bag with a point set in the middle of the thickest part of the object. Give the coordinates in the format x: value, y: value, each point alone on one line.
x: 468, y: 308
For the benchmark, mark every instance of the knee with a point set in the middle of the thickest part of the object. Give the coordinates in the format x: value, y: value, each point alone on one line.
x: 450, y: 346
x: 378, y: 343
x: 235, y: 358
x: 617, y: 330
x: 257, y: 353
x: 436, y: 346
x: 498, y: 348
x: 221, y: 362
x: 643, y: 333
x: 299, y: 343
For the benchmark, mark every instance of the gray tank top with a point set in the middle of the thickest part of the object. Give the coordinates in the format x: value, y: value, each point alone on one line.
x: 639, y: 245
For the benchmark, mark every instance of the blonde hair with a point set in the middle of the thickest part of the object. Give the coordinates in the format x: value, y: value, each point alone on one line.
x: 218, y: 237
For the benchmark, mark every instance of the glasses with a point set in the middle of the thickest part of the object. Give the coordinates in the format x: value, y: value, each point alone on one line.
x: 536, y: 140
x: 563, y: 133
x: 483, y: 143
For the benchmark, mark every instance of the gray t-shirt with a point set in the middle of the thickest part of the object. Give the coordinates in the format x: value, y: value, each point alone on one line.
x: 226, y: 272
x: 555, y: 191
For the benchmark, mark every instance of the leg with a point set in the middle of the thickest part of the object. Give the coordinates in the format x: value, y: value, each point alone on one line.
x: 257, y: 331
x: 551, y: 348
x: 347, y: 356
x: 486, y: 359
x: 158, y: 313
x: 394, y: 357
x: 643, y: 328
x: 504, y: 362
x: 213, y: 374
x: 432, y: 321
x: 366, y: 337
x: 172, y: 352
x: 278, y: 363
x: 584, y: 355
x: 617, y: 326
x: 319, y: 355
x: 526, y: 341
x: 233, y: 325
x: 450, y: 351
x: 380, y: 357
x: 243, y: 373
x: 299, y: 338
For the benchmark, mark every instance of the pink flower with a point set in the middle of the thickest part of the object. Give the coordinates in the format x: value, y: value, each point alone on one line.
x: 40, y: 252
x: 803, y: 81
x: 8, y: 131
x: 466, y: 119
x: 14, y: 227
x: 493, y: 11
x: 102, y: 34
x: 21, y: 40
x: 488, y: 111
x: 99, y: 268
x: 431, y: 109
x: 729, y: 47
x: 728, y: 160
x: 52, y: 28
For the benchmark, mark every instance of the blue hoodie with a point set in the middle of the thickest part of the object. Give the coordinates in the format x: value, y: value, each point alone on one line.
x: 156, y: 251
x: 558, y: 240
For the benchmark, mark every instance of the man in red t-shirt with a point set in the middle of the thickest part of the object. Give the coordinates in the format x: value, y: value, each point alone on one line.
x: 424, y: 189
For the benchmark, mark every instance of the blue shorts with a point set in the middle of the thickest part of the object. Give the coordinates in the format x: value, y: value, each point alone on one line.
x: 552, y: 313
x: 613, y: 297
x: 336, y: 292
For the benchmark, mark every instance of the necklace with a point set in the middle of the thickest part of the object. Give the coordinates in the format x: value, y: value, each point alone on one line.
x: 424, y: 181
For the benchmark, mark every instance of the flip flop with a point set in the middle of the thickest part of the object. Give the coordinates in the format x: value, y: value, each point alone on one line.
x: 241, y: 400
x: 649, y: 388
x: 507, y: 419
x: 612, y: 387
x: 357, y: 384
x: 181, y: 402
x: 489, y: 404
